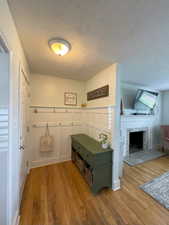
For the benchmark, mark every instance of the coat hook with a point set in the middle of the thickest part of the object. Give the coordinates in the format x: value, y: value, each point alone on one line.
x: 35, y: 111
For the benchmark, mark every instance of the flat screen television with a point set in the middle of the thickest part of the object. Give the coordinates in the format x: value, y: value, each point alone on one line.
x: 145, y: 100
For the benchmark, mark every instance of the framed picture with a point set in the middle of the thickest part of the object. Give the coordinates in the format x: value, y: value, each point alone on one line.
x: 70, y: 98
x: 98, y: 93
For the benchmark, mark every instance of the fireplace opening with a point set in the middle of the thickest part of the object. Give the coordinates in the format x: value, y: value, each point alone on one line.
x: 136, y: 143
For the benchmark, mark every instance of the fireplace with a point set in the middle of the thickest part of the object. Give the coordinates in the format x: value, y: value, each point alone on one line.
x: 132, y: 124
x: 136, y: 141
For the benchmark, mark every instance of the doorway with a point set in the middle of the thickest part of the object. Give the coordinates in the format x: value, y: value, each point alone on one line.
x: 24, y: 100
x: 13, y: 129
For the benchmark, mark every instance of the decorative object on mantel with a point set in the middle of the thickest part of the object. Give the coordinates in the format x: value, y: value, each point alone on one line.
x: 104, y: 140
x: 70, y: 98
x: 98, y: 93
x: 121, y: 107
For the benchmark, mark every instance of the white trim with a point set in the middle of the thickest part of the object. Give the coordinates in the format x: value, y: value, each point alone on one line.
x: 100, y: 107
x: 22, y: 181
x: 16, y: 219
x: 116, y: 185
x: 68, y: 107
x: 116, y: 135
x: 54, y: 107
x: 10, y: 146
x: 21, y: 188
x: 45, y: 162
x: 22, y: 70
x: 57, y: 124
x: 5, y: 44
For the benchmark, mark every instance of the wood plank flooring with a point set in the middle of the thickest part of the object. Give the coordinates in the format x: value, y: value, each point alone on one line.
x: 58, y: 195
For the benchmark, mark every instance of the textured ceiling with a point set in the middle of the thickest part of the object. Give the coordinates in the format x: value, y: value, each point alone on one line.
x: 134, y: 33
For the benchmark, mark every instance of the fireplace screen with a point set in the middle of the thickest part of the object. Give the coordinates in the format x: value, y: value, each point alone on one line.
x: 136, y: 141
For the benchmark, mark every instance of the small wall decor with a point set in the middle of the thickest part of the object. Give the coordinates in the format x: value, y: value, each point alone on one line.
x: 83, y: 105
x: 70, y: 98
x: 98, y: 93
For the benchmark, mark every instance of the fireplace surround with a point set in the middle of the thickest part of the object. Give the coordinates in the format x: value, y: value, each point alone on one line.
x: 144, y: 140
x: 130, y: 124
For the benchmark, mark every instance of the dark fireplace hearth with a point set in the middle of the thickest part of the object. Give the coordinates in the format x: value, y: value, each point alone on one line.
x: 136, y: 142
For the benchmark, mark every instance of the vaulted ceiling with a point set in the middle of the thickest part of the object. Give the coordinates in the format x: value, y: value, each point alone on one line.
x: 134, y: 33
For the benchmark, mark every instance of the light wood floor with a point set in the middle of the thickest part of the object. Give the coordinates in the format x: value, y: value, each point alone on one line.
x: 58, y: 195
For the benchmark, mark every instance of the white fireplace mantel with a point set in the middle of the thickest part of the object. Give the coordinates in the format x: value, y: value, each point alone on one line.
x: 135, y: 117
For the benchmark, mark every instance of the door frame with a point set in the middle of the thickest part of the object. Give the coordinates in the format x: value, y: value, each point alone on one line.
x: 116, y: 183
x: 22, y: 75
x: 11, y: 135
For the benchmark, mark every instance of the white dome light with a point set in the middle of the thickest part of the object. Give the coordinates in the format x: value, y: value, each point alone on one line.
x: 59, y: 46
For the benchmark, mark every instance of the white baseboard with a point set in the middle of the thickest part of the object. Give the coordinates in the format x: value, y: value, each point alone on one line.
x: 116, y: 185
x: 16, y: 218
x: 49, y: 161
x: 28, y: 170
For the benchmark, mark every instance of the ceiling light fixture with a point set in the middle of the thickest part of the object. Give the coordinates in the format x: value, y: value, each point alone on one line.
x: 59, y: 46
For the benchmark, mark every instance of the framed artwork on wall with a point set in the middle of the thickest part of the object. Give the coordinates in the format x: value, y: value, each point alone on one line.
x: 70, y: 98
x: 98, y: 93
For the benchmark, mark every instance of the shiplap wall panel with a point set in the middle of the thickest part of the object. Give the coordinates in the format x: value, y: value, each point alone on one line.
x: 62, y: 124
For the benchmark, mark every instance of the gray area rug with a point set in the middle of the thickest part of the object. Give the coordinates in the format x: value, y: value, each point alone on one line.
x: 158, y: 189
x: 142, y: 156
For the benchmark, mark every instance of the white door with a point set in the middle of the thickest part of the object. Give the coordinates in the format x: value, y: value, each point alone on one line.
x: 24, y: 128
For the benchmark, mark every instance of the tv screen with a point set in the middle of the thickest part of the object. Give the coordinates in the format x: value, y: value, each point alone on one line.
x: 148, y: 98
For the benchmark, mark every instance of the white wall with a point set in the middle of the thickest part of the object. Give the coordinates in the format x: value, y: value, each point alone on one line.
x: 9, y: 33
x: 97, y: 120
x: 46, y: 91
x: 165, y: 108
x: 4, y: 84
x: 49, y: 90
x: 105, y: 77
x: 129, y: 92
